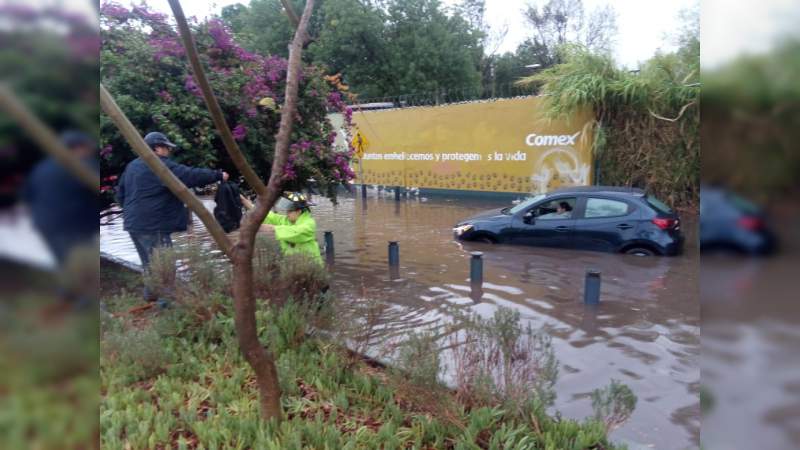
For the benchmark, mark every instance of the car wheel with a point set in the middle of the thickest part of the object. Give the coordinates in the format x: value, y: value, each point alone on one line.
x: 485, y: 240
x: 640, y: 251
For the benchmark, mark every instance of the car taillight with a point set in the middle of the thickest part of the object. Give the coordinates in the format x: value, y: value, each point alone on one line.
x: 665, y: 224
x: 750, y: 223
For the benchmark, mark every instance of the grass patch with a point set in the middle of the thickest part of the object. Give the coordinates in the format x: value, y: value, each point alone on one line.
x: 175, y: 378
x: 198, y: 392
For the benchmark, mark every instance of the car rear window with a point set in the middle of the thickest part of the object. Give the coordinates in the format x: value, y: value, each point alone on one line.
x: 742, y: 204
x: 603, y: 207
x: 658, y: 205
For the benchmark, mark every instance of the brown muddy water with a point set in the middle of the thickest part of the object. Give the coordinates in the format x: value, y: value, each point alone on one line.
x: 751, y: 352
x: 645, y: 333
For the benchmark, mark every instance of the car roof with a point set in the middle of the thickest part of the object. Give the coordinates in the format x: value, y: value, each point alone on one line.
x: 599, y: 190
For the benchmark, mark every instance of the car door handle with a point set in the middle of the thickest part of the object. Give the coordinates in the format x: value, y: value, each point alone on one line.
x: 562, y: 228
x: 624, y: 226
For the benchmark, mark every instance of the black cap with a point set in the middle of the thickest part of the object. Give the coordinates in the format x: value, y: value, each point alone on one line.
x: 156, y: 138
x: 74, y: 138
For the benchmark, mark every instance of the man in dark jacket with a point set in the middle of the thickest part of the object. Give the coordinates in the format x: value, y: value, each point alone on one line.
x: 150, y: 211
x: 64, y: 210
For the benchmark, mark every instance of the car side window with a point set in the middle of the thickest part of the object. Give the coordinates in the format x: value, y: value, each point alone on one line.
x: 603, y: 207
x: 560, y: 208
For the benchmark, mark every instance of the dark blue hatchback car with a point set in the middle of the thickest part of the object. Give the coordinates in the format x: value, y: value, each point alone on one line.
x: 611, y: 219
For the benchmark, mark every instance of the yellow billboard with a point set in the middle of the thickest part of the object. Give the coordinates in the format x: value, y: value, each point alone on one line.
x: 499, y: 146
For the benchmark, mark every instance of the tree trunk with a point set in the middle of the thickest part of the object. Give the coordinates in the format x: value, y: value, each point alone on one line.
x: 257, y: 356
x: 260, y: 358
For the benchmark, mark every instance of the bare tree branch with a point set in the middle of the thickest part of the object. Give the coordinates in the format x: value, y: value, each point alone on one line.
x: 290, y: 13
x: 680, y: 113
x: 282, y: 139
x: 163, y: 173
x: 46, y: 138
x: 211, y: 102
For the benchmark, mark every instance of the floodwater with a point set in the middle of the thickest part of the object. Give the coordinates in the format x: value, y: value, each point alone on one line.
x: 751, y: 364
x: 645, y: 333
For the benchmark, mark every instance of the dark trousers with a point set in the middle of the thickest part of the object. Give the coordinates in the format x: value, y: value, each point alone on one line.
x: 61, y: 243
x: 145, y: 243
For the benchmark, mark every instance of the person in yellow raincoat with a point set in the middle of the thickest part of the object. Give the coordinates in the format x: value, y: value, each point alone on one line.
x: 293, y: 226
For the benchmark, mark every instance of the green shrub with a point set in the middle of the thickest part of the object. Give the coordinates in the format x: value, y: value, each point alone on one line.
x: 266, y: 266
x: 140, y: 350
x: 144, y: 66
x: 614, y: 404
x: 301, y: 277
x: 207, y: 398
x: 418, y: 358
x: 201, y: 278
x: 278, y: 277
x: 500, y: 362
x: 160, y: 278
x: 646, y: 124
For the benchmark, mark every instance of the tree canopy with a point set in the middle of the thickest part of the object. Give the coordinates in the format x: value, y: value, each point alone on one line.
x: 143, y: 64
x: 423, y: 50
x: 381, y: 48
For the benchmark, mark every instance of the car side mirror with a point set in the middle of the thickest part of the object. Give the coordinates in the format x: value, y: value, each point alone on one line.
x: 529, y: 219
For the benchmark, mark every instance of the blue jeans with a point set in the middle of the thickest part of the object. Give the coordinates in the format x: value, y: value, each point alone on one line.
x: 61, y: 243
x: 145, y: 243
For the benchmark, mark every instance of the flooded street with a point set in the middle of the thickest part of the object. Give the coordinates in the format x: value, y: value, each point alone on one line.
x: 645, y: 333
x: 750, y: 365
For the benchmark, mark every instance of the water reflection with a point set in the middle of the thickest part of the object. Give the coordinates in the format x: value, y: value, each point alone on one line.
x: 645, y: 332
x: 750, y: 363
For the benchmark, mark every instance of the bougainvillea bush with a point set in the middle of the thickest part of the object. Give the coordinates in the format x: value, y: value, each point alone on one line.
x: 48, y: 59
x: 144, y: 66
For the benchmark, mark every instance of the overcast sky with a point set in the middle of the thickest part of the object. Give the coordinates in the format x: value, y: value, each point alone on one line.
x: 728, y: 27
x: 643, y: 24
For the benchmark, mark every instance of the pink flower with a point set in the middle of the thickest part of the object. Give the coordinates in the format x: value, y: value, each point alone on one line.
x: 348, y: 115
x: 192, y: 87
x: 165, y: 46
x: 105, y: 152
x: 84, y: 46
x: 166, y: 96
x: 115, y: 11
x: 222, y: 38
x: 288, y: 172
x: 239, y: 132
x: 148, y: 15
x: 335, y: 100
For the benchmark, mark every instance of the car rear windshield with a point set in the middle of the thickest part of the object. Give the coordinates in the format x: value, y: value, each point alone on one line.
x: 742, y: 204
x: 658, y: 205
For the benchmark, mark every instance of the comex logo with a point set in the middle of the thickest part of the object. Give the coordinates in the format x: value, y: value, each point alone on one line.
x: 541, y: 140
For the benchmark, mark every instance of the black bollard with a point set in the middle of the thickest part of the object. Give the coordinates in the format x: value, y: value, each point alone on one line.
x: 363, y: 190
x: 394, y: 254
x: 476, y: 292
x: 394, y: 273
x: 397, y: 194
x: 476, y: 268
x: 589, y: 320
x: 329, y: 244
x: 591, y: 290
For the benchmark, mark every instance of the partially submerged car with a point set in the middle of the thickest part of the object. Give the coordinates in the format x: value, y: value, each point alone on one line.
x: 611, y: 219
x: 729, y: 222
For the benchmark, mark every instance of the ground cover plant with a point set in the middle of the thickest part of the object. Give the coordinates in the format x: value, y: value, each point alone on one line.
x: 175, y: 378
